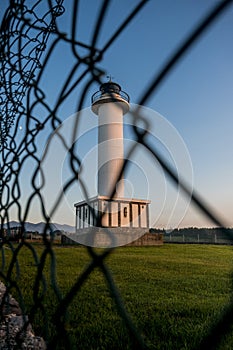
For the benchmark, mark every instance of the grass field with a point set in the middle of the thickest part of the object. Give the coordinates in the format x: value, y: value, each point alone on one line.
x: 173, y: 294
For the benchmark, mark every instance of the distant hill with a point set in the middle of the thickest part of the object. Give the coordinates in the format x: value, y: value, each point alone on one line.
x: 40, y: 226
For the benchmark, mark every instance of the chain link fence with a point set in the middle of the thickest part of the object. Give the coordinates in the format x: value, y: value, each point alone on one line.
x: 30, y: 35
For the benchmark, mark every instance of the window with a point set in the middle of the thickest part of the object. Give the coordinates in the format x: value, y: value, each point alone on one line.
x: 125, y: 212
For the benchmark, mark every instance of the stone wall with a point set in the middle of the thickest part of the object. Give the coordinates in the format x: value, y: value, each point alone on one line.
x: 15, y: 330
x: 148, y: 239
x: 125, y: 237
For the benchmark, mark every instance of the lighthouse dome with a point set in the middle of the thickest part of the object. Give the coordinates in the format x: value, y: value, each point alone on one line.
x: 110, y: 87
x: 110, y: 92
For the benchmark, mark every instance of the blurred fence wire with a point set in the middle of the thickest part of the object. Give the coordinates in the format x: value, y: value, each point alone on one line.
x: 29, y: 36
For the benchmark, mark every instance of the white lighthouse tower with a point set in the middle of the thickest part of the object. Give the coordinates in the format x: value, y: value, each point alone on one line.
x: 110, y: 104
x: 110, y: 209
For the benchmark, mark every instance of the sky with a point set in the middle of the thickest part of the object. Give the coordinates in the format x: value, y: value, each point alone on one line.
x: 190, y: 113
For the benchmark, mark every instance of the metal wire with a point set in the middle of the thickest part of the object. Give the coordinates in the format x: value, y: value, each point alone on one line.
x: 29, y: 37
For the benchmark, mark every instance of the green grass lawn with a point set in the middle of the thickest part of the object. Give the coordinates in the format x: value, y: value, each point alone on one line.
x: 173, y: 294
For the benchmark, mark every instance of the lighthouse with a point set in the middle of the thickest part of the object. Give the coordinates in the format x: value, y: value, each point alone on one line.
x: 109, y: 208
x: 110, y: 104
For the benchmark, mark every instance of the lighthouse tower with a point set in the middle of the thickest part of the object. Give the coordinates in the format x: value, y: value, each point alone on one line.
x: 110, y: 209
x: 110, y: 104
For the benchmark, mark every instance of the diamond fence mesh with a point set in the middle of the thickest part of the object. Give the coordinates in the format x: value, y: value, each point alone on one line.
x: 30, y: 36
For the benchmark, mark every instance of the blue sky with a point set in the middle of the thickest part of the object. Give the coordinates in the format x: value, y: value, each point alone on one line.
x: 195, y: 98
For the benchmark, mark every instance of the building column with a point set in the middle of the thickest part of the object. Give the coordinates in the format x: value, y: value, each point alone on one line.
x: 130, y: 215
x: 109, y: 214
x: 89, y: 215
x: 119, y: 214
x: 139, y: 215
x: 147, y: 216
x: 76, y: 219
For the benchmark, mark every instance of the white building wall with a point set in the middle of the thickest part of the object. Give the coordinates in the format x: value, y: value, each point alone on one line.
x: 135, y: 215
x: 114, y: 214
x: 143, y: 215
x: 104, y: 209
